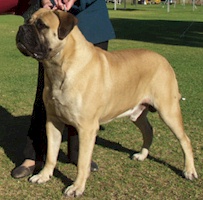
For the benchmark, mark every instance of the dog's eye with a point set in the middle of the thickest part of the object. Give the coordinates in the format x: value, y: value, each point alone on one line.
x: 40, y: 24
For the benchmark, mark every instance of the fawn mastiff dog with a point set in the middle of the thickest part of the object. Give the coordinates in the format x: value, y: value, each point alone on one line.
x: 86, y: 86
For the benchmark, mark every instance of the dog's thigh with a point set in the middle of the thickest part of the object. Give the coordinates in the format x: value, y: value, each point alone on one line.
x: 54, y: 130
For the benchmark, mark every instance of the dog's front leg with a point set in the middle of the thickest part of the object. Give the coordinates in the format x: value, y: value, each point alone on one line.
x: 54, y: 130
x: 87, y: 138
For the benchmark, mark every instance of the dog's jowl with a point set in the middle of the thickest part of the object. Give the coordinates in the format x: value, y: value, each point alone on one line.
x: 86, y: 86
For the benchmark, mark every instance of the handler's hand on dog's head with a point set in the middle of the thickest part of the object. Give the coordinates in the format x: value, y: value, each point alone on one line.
x: 47, y: 4
x: 64, y: 4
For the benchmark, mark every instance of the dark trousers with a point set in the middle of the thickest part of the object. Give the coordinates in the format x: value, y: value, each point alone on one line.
x: 36, y: 145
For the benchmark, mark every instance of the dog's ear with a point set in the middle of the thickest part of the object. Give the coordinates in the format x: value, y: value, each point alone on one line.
x: 67, y: 22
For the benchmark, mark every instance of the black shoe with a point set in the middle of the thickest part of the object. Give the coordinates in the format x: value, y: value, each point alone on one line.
x: 94, y: 167
x: 22, y: 171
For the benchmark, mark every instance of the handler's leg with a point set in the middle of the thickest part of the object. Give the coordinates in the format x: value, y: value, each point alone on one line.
x: 36, y: 145
x: 73, y: 149
x: 73, y: 145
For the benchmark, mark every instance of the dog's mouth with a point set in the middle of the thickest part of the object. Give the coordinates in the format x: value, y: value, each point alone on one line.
x: 28, y: 43
x: 23, y: 49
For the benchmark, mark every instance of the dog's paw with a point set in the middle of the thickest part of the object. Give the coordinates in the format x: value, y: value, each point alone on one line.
x: 74, y: 191
x: 190, y: 174
x: 40, y: 178
x: 140, y: 156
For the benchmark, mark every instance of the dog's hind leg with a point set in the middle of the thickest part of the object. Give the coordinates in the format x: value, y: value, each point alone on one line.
x: 54, y: 130
x: 87, y: 137
x: 147, y: 132
x: 171, y: 115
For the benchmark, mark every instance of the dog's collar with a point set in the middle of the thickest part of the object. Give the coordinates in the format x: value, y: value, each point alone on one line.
x: 54, y: 55
x: 57, y: 54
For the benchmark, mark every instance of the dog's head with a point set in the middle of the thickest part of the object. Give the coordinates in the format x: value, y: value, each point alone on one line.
x: 42, y: 36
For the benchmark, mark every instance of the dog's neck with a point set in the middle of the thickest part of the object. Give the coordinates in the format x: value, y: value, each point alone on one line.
x: 53, y: 70
x: 58, y: 69
x: 54, y: 77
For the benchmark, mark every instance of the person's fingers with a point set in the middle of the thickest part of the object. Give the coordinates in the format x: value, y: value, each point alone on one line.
x: 69, y: 4
x: 59, y: 4
x: 64, y: 4
x: 48, y: 5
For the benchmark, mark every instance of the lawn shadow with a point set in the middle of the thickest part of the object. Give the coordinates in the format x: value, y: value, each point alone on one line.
x: 118, y: 147
x: 184, y: 33
x: 65, y: 180
x: 13, y: 134
x: 13, y: 139
x: 13, y: 131
x: 124, y: 9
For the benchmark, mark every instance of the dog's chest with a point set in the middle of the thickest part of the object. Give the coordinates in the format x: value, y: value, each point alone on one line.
x: 58, y: 99
x: 64, y: 105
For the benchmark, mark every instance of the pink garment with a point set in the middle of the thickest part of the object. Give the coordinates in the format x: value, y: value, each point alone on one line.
x: 8, y: 6
x: 17, y: 7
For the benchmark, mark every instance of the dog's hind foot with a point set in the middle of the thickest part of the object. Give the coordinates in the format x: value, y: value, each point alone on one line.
x: 74, y: 191
x: 141, y: 156
x: 40, y: 178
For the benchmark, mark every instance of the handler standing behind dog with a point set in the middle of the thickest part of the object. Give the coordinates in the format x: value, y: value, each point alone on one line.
x: 94, y: 23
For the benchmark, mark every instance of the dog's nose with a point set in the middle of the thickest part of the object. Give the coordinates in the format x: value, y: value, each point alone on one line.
x: 22, y: 33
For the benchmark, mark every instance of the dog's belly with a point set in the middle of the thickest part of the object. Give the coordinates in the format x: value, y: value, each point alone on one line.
x: 133, y: 113
x: 68, y: 113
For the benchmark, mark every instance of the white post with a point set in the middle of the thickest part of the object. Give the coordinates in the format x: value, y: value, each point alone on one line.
x: 193, y: 5
x: 114, y: 4
x: 125, y: 4
x: 168, y: 6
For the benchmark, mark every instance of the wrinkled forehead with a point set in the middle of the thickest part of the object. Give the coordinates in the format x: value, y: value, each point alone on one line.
x: 48, y: 17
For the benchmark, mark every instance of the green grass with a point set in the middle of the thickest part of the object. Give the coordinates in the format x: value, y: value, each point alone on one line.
x: 119, y: 177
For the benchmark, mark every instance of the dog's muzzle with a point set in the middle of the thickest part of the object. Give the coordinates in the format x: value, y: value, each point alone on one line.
x: 28, y: 42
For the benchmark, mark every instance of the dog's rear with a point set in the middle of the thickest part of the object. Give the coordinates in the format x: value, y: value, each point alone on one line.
x: 149, y: 84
